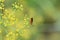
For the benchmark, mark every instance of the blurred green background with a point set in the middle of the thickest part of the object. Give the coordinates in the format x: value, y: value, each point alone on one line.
x: 15, y: 19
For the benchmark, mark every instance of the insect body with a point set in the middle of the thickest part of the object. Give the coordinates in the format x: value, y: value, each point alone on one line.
x: 31, y: 21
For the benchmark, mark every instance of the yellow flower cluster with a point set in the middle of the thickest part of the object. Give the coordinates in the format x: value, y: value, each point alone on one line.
x: 17, y: 6
x: 26, y: 21
x: 1, y: 6
x: 25, y: 33
x: 2, y: 0
x: 8, y: 17
x: 21, y: 7
x: 10, y: 36
x: 9, y: 20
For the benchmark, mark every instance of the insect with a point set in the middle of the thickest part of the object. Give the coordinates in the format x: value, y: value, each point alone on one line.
x: 31, y: 21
